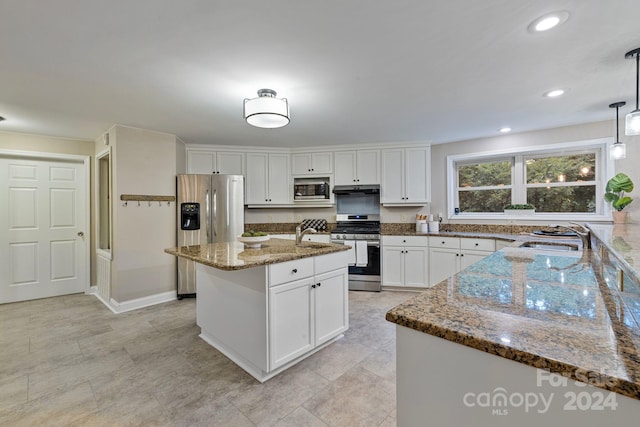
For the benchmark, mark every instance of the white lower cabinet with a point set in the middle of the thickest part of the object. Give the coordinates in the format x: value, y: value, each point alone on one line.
x: 450, y: 255
x: 405, y: 261
x: 307, y: 313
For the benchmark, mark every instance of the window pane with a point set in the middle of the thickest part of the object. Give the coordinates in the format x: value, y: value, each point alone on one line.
x: 575, y: 168
x: 484, y: 200
x: 563, y: 199
x: 485, y: 174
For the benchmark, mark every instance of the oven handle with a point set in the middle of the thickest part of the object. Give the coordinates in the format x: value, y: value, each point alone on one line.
x: 374, y: 243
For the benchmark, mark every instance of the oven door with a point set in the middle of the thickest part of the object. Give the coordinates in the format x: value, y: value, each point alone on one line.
x: 366, y: 278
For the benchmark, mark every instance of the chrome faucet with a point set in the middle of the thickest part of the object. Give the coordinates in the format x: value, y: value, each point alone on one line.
x: 583, y: 232
x: 300, y: 233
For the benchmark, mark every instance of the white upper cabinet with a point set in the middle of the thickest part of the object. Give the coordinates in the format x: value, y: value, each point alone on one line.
x: 357, y: 167
x: 267, y: 179
x: 311, y: 163
x: 406, y: 176
x: 219, y: 162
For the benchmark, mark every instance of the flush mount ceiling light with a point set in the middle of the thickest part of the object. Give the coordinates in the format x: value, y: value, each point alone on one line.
x: 548, y: 21
x: 266, y: 111
x: 554, y: 93
x: 632, y: 121
x: 618, y: 150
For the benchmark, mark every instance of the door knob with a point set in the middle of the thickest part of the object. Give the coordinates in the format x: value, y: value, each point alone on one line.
x: 80, y: 233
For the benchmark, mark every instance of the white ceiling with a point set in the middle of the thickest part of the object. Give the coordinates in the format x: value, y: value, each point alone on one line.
x: 354, y: 71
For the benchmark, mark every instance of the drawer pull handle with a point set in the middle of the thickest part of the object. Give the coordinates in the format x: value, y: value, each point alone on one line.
x: 295, y: 270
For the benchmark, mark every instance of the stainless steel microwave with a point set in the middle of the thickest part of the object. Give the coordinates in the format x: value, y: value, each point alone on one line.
x: 311, y: 189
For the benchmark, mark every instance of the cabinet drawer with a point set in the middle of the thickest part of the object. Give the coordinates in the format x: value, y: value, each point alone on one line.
x: 330, y: 262
x: 478, y: 244
x: 405, y: 241
x: 290, y: 270
x: 444, y: 242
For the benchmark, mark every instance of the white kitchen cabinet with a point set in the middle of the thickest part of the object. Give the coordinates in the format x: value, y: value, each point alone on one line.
x: 320, y: 238
x: 219, y: 162
x: 405, y: 261
x: 405, y: 176
x: 311, y: 163
x: 450, y: 255
x: 306, y: 313
x: 267, y: 179
x: 357, y: 167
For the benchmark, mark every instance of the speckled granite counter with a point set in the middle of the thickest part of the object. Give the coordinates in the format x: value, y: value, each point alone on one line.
x: 558, y: 311
x: 234, y: 256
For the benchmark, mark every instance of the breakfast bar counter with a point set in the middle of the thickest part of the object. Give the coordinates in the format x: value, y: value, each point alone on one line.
x: 523, y: 336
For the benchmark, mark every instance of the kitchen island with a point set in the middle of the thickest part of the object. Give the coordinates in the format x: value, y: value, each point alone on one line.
x: 268, y: 308
x: 523, y: 337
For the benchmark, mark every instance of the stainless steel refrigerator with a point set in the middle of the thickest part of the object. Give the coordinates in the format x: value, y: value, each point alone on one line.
x: 210, y: 210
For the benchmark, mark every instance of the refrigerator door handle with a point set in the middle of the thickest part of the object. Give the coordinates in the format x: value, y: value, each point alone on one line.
x: 208, y: 222
x: 215, y: 212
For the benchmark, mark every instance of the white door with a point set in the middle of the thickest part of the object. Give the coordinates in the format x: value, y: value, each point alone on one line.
x: 43, y: 230
x: 367, y: 167
x: 256, y: 179
x: 392, y: 190
x: 280, y: 187
x: 393, y: 265
x: 345, y: 168
x: 417, y: 171
x: 202, y: 162
x: 230, y: 163
x: 415, y: 267
x: 443, y: 263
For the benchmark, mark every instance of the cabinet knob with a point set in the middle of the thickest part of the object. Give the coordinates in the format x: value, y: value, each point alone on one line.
x: 443, y: 242
x: 295, y: 270
x: 318, y: 284
x: 457, y: 254
x: 476, y: 244
x: 313, y: 286
x: 358, y: 180
x: 461, y: 254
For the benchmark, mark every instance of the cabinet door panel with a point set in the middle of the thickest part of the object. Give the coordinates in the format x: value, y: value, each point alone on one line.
x: 393, y: 265
x: 322, y: 162
x: 279, y: 184
x: 331, y: 305
x: 415, y: 267
x: 203, y: 162
x: 416, y: 175
x: 468, y: 258
x: 256, y: 182
x: 300, y: 164
x: 367, y: 167
x: 345, y: 168
x: 290, y: 321
x: 392, y: 188
x: 230, y: 163
x: 443, y: 263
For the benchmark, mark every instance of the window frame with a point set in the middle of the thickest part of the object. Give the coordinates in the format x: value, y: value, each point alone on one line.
x: 604, y: 171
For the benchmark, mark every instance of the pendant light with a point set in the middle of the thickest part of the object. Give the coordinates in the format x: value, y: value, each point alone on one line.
x: 632, y: 121
x: 618, y: 150
x: 266, y: 111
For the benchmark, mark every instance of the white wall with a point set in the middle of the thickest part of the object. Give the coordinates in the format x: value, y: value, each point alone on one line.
x: 594, y: 130
x: 144, y: 163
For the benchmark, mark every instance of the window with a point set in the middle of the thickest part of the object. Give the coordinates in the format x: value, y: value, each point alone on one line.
x: 563, y: 181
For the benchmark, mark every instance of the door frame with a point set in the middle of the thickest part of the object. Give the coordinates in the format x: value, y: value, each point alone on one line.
x: 86, y: 163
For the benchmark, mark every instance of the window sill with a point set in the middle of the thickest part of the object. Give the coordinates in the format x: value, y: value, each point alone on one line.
x: 549, y: 217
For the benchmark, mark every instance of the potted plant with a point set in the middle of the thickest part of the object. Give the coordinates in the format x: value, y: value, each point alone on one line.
x: 520, y: 209
x: 614, y: 194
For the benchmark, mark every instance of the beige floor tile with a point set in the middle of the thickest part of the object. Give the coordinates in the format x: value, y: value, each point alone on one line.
x: 13, y: 390
x: 59, y: 408
x: 206, y: 412
x: 337, y: 358
x: 300, y: 417
x: 358, y: 398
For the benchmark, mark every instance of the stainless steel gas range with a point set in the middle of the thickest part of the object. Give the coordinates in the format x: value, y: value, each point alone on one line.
x: 362, y: 232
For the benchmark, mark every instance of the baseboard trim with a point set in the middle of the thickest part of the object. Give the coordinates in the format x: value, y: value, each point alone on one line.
x: 134, y: 304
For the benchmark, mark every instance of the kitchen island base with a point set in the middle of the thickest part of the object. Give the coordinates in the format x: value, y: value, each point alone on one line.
x: 450, y: 384
x: 268, y: 318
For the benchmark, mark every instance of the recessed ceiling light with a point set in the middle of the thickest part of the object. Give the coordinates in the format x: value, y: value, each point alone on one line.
x: 505, y: 129
x: 548, y: 21
x: 554, y: 93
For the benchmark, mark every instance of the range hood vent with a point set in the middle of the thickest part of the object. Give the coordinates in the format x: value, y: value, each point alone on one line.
x: 356, y: 189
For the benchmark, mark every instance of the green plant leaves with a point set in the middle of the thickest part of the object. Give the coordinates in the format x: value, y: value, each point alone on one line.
x: 615, y: 190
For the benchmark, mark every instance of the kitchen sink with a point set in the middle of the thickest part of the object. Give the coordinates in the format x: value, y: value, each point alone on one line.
x: 550, y: 246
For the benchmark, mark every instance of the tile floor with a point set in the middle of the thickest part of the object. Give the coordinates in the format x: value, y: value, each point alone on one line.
x: 69, y: 361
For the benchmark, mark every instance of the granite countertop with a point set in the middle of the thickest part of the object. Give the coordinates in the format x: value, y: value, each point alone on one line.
x: 553, y: 310
x: 234, y: 256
